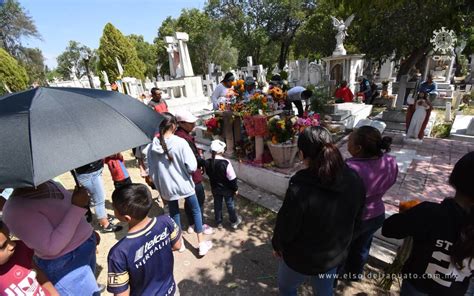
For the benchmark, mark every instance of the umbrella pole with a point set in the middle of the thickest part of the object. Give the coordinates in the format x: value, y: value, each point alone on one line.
x: 89, y: 212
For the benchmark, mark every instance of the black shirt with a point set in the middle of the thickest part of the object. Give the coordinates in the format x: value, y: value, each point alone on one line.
x: 434, y: 228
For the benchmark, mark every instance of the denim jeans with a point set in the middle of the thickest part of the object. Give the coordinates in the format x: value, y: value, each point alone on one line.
x: 201, y: 196
x: 229, y: 201
x: 408, y: 289
x: 360, y: 246
x: 289, y: 281
x: 95, y: 186
x: 470, y: 289
x: 193, y: 203
x: 73, y: 273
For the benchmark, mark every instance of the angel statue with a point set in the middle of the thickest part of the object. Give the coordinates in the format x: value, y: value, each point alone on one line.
x: 341, y: 28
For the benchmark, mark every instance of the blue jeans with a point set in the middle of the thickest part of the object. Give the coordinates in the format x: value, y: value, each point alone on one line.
x: 193, y: 203
x: 408, y: 289
x: 201, y: 196
x: 229, y: 201
x: 95, y: 186
x: 360, y: 246
x: 470, y: 288
x: 289, y: 281
x: 73, y: 273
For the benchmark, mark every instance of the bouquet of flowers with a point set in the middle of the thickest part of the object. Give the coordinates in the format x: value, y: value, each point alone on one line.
x: 311, y: 119
x: 214, y: 125
x: 278, y: 96
x: 282, y: 129
x: 257, y: 102
x: 238, y: 89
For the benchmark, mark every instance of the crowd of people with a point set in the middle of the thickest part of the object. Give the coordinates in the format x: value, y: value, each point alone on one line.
x: 323, y: 231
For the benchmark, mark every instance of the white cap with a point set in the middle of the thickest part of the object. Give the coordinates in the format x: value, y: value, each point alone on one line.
x: 218, y: 146
x: 185, y: 116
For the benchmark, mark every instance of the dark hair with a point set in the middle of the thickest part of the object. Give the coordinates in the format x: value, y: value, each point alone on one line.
x: 461, y: 180
x: 228, y: 77
x: 325, y: 160
x: 343, y: 83
x: 371, y: 142
x: 152, y: 91
x: 133, y: 200
x: 169, y: 121
x: 306, y: 94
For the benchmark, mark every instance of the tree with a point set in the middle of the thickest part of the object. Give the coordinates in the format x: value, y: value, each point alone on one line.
x: 404, y: 27
x: 15, y: 24
x: 12, y: 74
x: 33, y: 61
x: 114, y: 45
x: 146, y: 52
x: 206, y: 42
x: 78, y: 56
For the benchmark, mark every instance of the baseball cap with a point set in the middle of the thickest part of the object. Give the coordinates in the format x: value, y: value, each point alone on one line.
x: 185, y: 116
x: 228, y: 77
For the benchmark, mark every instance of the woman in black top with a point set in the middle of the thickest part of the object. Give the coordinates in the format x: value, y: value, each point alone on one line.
x: 441, y: 261
x: 322, y: 206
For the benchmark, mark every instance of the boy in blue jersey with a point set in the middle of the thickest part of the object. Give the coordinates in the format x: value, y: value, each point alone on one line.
x: 142, y: 262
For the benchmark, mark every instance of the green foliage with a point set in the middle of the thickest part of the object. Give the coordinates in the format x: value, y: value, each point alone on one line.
x: 321, y: 97
x: 15, y: 24
x: 441, y: 130
x: 113, y: 44
x: 33, y: 61
x: 146, y: 52
x: 12, y: 74
x: 207, y: 44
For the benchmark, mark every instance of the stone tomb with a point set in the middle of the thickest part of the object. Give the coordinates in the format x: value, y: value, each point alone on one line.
x: 463, y: 128
x: 348, y: 114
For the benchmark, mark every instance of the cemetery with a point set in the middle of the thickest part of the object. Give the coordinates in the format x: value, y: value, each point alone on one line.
x: 419, y: 116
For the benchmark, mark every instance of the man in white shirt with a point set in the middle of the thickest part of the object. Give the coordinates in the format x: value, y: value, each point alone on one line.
x: 296, y: 95
x: 221, y: 90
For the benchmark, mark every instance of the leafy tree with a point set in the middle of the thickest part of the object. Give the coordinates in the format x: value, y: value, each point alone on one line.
x: 206, y: 42
x: 33, y: 61
x: 15, y: 24
x: 12, y: 74
x: 113, y: 44
x: 405, y: 27
x: 146, y: 52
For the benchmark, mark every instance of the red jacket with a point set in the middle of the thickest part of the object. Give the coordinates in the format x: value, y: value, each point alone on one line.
x: 161, y: 107
x: 197, y: 175
x: 344, y: 93
x: 117, y: 168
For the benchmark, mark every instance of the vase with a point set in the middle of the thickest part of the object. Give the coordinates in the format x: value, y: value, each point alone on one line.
x: 283, y: 154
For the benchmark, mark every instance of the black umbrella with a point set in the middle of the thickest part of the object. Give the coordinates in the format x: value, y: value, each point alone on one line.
x: 47, y: 131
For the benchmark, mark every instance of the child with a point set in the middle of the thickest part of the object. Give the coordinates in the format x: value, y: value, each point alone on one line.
x: 379, y: 172
x: 118, y: 170
x: 441, y: 260
x: 18, y: 273
x: 418, y: 118
x: 142, y: 262
x: 223, y: 184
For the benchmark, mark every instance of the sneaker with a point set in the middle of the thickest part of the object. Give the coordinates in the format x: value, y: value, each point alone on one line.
x: 183, y: 247
x: 204, y: 247
x: 110, y: 218
x: 236, y: 223
x: 111, y: 228
x: 190, y: 229
x: 206, y: 229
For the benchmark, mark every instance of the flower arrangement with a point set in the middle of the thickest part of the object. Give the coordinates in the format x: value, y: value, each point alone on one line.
x: 238, y: 88
x: 282, y: 130
x: 311, y: 119
x: 403, y: 252
x: 214, y: 125
x: 257, y: 102
x: 278, y: 96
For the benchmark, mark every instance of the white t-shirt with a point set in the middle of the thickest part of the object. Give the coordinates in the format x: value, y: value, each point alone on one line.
x: 294, y: 94
x: 220, y: 91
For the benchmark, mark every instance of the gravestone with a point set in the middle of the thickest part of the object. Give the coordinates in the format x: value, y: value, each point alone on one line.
x: 303, y: 66
x: 315, y: 73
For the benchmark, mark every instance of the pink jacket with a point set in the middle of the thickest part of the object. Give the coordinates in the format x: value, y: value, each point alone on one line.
x: 47, y: 222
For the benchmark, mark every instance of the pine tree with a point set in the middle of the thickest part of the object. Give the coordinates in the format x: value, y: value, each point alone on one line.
x: 12, y: 74
x: 113, y: 44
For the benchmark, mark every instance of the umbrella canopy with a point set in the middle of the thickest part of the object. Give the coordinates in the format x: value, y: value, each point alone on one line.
x: 47, y: 131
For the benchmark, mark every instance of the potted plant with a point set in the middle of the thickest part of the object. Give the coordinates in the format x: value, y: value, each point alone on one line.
x: 282, y: 145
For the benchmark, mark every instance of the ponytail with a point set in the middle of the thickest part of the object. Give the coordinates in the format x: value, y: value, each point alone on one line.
x: 386, y: 144
x: 371, y: 142
x: 213, y: 158
x: 169, y: 122
x: 325, y: 160
x: 464, y: 246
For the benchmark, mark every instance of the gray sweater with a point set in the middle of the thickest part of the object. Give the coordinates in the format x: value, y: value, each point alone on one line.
x: 172, y: 178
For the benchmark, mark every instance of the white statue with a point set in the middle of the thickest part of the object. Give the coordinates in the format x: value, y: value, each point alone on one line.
x: 341, y: 28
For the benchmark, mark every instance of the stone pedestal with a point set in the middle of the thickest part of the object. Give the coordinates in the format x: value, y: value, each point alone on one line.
x: 345, y: 67
x: 258, y: 149
x: 228, y: 132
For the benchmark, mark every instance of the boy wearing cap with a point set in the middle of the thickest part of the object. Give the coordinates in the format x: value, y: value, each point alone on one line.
x: 186, y: 123
x: 223, y: 184
x: 222, y: 90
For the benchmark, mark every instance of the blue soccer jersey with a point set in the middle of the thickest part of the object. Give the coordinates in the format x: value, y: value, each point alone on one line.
x: 144, y: 260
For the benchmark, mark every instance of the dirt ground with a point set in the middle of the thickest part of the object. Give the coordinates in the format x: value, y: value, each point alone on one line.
x: 241, y: 262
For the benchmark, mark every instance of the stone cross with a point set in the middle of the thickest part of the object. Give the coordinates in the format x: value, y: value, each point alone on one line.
x: 215, y: 73
x: 184, y: 56
x: 402, y: 91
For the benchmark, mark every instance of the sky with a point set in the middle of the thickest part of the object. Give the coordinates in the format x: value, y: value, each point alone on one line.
x: 59, y: 21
